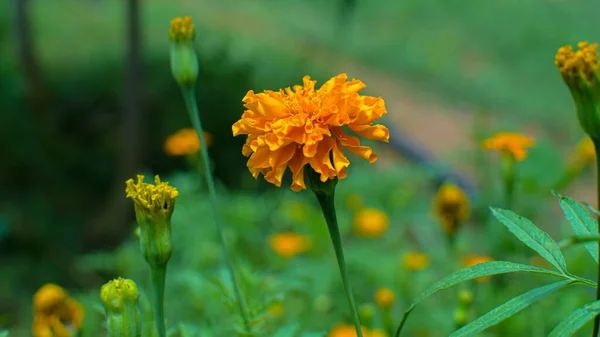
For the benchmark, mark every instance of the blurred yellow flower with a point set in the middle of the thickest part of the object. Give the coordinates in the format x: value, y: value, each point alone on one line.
x: 370, y: 223
x: 585, y: 153
x: 302, y: 126
x: 185, y: 142
x: 346, y: 330
x: 182, y: 29
x: 511, y: 143
x: 354, y: 201
x: 414, y: 261
x: 451, y: 206
x: 289, y: 244
x: 472, y: 260
x: 276, y: 309
x: 384, y: 298
x: 582, y: 63
x: 55, y: 313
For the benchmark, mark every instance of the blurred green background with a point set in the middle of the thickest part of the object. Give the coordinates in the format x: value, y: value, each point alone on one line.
x: 87, y: 98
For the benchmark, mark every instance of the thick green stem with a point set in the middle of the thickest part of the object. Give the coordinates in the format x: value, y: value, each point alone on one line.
x: 597, y: 146
x: 328, y: 208
x: 190, y: 100
x: 577, y: 239
x: 158, y: 291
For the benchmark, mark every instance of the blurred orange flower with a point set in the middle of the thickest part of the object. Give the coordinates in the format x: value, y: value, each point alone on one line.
x: 384, y: 298
x: 302, y: 126
x: 185, y: 141
x: 347, y: 330
x: 472, y: 260
x: 55, y: 313
x: 511, y: 143
x: 451, y: 206
x: 414, y: 261
x: 289, y: 244
x: 370, y: 222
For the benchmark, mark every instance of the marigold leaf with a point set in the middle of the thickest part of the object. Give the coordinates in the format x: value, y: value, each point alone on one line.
x: 582, y: 222
x: 509, y: 308
x: 576, y: 319
x: 532, y: 236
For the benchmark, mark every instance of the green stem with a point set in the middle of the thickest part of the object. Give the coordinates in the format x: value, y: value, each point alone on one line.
x: 577, y: 239
x: 328, y: 208
x: 158, y: 288
x: 508, y: 171
x: 192, y: 106
x: 388, y: 322
x: 597, y: 146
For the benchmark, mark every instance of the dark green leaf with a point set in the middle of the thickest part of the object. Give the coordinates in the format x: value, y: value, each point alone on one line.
x: 532, y: 236
x: 578, y: 318
x: 511, y: 307
x: 582, y: 222
x: 470, y: 273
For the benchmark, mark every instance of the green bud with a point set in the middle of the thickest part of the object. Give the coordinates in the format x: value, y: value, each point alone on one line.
x: 120, y: 300
x: 184, y: 61
x: 367, y: 313
x: 313, y: 181
x: 460, y: 317
x: 465, y: 297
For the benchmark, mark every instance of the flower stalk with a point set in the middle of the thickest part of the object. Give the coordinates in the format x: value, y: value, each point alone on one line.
x: 597, y: 146
x: 189, y: 97
x: 325, y: 193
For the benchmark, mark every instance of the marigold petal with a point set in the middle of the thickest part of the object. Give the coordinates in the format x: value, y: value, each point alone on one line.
x: 265, y: 105
x: 260, y: 158
x: 340, y: 162
x: 296, y: 165
x: 374, y: 132
x: 352, y: 143
x: 321, y: 163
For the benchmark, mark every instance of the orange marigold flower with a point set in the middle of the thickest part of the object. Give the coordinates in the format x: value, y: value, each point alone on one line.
x: 185, y: 141
x: 414, y: 261
x: 472, y: 260
x: 289, y: 244
x: 55, y: 313
x: 303, y: 126
x: 451, y: 206
x: 384, y: 298
x: 370, y: 223
x: 511, y: 143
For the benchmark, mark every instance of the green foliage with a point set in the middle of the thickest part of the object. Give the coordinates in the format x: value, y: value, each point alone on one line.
x: 581, y: 221
x: 577, y: 319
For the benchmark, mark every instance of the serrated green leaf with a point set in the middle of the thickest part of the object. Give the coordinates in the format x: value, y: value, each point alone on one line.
x: 506, y: 310
x: 470, y: 273
x: 288, y: 330
x: 578, y: 318
x: 532, y: 236
x: 582, y: 222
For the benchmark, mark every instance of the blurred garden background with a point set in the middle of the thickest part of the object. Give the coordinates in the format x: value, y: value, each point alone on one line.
x: 87, y: 100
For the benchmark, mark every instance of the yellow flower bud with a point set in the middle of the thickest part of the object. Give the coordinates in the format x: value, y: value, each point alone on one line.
x: 153, y: 205
x: 120, y: 300
x: 579, y: 70
x: 414, y: 261
x: 370, y: 223
x: 184, y: 61
x: 452, y: 207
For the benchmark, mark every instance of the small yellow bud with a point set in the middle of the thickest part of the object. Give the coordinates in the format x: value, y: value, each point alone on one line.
x: 153, y: 205
x: 370, y: 223
x: 580, y: 72
x: 366, y: 313
x: 117, y: 293
x: 452, y: 207
x: 184, y: 62
x: 414, y: 261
